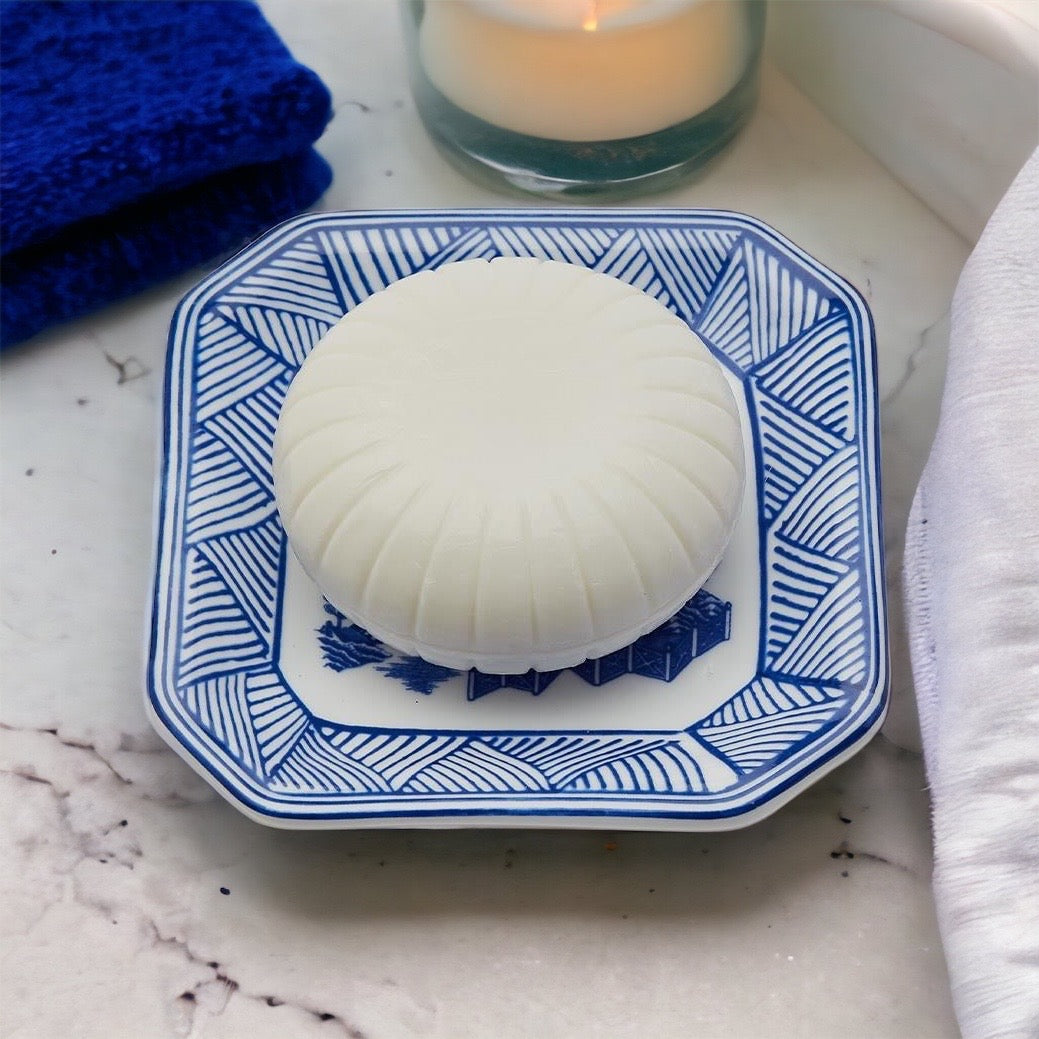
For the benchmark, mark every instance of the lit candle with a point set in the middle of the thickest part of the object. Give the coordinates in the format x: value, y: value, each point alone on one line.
x: 583, y: 70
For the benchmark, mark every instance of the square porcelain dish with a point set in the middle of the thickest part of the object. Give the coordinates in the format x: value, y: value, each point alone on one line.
x: 774, y: 674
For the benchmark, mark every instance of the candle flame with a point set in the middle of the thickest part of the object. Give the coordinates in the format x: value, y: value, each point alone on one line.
x: 591, y: 17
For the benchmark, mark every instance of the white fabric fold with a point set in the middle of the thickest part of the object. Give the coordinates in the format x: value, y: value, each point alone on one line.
x: 972, y: 597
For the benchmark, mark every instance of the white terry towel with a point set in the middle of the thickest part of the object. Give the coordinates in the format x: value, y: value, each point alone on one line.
x: 972, y: 596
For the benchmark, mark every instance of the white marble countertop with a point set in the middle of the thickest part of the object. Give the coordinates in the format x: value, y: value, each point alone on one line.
x: 139, y: 904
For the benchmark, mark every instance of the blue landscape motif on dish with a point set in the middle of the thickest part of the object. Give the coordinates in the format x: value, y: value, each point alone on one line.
x: 797, y: 340
x: 699, y: 626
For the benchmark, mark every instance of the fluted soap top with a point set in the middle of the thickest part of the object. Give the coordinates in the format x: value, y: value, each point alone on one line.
x: 509, y: 464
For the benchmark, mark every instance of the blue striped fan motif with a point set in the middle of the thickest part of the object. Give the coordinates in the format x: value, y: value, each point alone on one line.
x: 796, y: 337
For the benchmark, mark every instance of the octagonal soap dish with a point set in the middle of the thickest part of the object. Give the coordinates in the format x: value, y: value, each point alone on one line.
x: 769, y: 677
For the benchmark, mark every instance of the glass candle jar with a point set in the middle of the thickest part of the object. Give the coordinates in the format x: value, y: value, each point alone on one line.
x: 598, y: 98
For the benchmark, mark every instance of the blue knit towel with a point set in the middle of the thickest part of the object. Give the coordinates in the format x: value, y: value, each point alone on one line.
x: 141, y: 139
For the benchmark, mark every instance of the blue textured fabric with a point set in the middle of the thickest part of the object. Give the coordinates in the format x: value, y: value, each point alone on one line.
x: 141, y: 139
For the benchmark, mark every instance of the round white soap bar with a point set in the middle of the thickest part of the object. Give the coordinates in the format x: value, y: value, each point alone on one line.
x: 509, y: 464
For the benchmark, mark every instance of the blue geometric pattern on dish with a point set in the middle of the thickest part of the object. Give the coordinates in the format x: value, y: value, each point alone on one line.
x: 699, y: 626
x: 800, y: 341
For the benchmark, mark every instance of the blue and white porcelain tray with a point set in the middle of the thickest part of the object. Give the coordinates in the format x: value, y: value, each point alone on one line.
x: 772, y: 675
